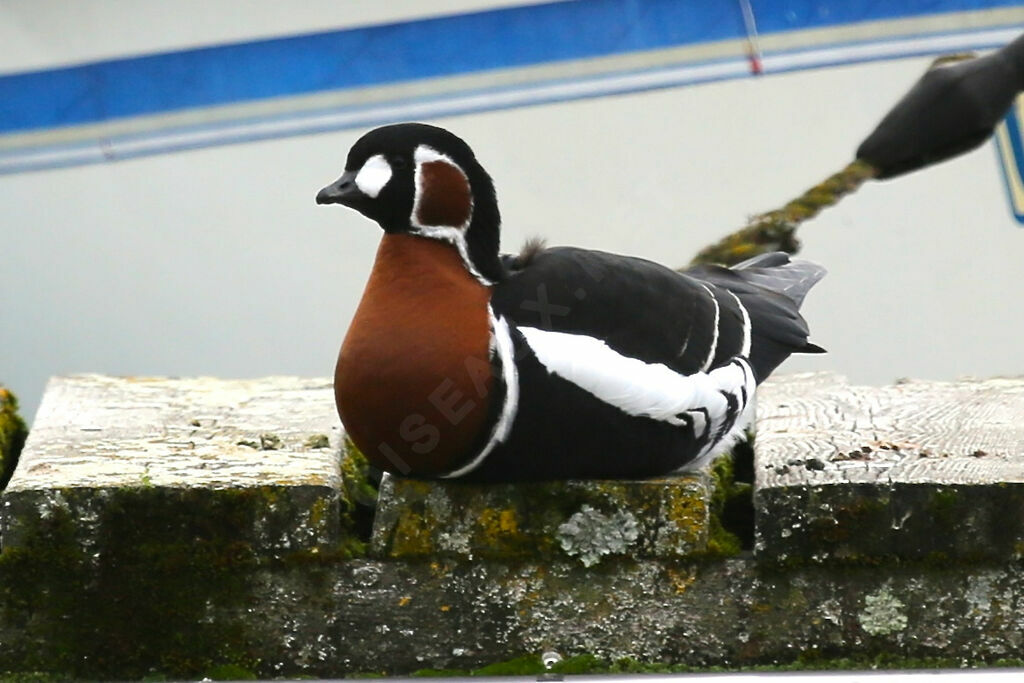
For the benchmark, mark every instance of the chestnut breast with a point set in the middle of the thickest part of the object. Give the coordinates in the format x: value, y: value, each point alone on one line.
x: 413, y: 376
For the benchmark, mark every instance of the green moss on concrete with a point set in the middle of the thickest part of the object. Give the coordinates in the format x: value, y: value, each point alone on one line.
x: 884, y: 613
x: 526, y: 665
x: 722, y: 541
x: 12, y: 435
x: 28, y: 677
x: 583, y: 520
x: 230, y: 672
x: 360, y: 503
x: 871, y: 525
x: 355, y: 471
x: 703, y: 514
x: 944, y: 505
x: 160, y: 590
x: 530, y: 665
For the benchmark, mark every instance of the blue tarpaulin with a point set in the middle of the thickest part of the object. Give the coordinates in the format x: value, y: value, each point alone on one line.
x: 508, y: 57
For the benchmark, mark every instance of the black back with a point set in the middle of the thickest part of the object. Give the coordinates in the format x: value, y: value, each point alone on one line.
x: 647, y: 311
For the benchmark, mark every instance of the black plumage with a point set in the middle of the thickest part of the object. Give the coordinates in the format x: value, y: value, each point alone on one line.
x: 648, y: 311
x: 601, y: 365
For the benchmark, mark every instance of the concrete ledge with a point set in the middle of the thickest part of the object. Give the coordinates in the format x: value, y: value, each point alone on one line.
x: 400, y: 617
x: 186, y: 528
x: 559, y: 520
x: 142, y: 511
x: 195, y: 441
x: 916, y: 470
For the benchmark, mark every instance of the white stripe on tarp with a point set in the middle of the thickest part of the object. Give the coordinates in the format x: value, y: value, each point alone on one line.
x: 87, y: 149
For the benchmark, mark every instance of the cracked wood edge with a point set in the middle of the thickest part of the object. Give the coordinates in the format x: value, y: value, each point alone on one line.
x: 818, y: 429
x: 96, y: 431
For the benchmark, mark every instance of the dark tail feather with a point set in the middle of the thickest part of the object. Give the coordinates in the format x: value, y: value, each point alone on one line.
x: 790, y: 277
x: 780, y: 273
x: 771, y: 287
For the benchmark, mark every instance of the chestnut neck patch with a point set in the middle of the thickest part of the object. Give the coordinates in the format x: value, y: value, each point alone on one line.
x: 443, y: 195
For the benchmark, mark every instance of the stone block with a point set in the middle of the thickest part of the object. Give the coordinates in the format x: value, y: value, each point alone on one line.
x: 584, y: 520
x: 916, y: 470
x: 143, y: 511
x: 181, y: 529
x: 398, y: 617
x: 100, y: 443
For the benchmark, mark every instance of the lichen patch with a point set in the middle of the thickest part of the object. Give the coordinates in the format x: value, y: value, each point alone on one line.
x: 883, y: 613
x: 590, y: 534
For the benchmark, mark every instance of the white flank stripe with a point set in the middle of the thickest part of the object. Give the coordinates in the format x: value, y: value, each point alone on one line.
x: 714, y: 338
x: 502, y: 340
x: 745, y: 347
x: 744, y: 412
x: 425, y: 154
x: 637, y: 388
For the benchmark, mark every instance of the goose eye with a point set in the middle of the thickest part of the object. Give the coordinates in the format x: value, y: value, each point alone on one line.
x: 399, y: 163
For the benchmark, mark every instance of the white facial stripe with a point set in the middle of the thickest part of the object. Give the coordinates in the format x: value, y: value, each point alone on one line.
x: 456, y: 238
x: 637, y: 388
x: 453, y: 234
x: 501, y: 338
x: 426, y: 153
x: 374, y: 175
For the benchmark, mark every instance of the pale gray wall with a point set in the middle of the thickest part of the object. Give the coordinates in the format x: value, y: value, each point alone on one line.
x: 218, y: 262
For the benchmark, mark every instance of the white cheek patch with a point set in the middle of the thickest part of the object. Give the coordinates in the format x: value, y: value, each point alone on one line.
x: 374, y: 175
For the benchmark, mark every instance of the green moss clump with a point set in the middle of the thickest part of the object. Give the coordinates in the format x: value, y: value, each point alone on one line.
x: 590, y: 664
x: 530, y: 664
x: 721, y: 540
x: 356, y: 477
x: 412, y: 536
x: 12, y: 435
x: 944, y: 506
x: 230, y: 672
x: 526, y: 665
x: 27, y: 677
x: 360, y: 488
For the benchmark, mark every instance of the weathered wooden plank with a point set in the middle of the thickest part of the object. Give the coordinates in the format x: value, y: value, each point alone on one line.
x: 916, y: 469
